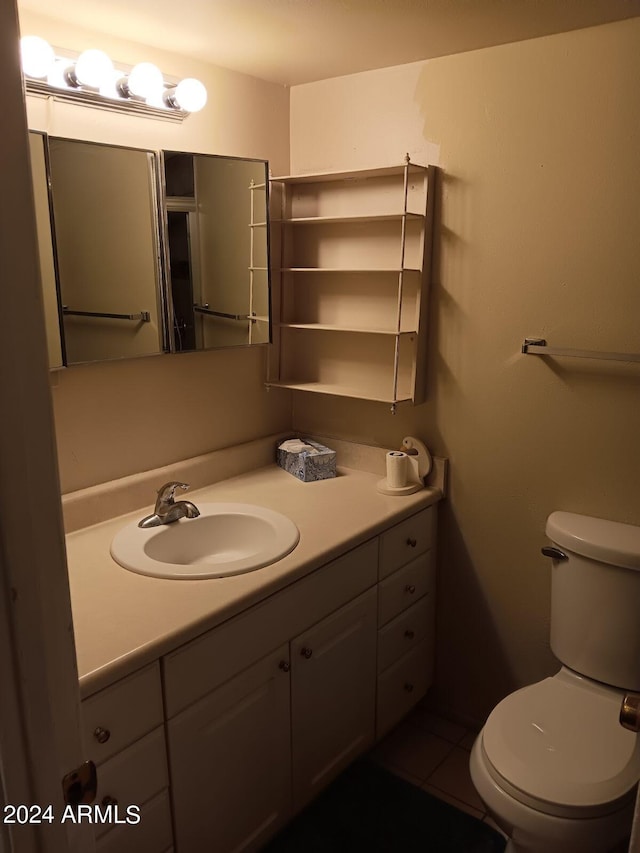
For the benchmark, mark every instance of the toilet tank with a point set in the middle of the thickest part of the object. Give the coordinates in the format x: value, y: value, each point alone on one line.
x: 595, y: 598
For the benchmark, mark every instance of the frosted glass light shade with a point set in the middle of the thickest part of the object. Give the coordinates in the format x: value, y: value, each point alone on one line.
x: 37, y: 56
x: 190, y: 95
x: 146, y: 81
x: 93, y: 68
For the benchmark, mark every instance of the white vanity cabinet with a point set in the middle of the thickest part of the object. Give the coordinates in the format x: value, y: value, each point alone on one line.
x: 406, y: 617
x: 332, y: 695
x: 260, y: 744
x: 230, y: 757
x: 225, y: 738
x: 124, y: 735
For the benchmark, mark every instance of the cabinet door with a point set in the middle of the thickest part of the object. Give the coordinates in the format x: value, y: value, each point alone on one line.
x: 230, y: 759
x: 333, y: 687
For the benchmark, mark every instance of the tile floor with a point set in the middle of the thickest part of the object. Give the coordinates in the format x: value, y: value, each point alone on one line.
x: 433, y: 753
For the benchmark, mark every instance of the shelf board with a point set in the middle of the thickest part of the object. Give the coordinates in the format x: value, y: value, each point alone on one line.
x: 353, y: 174
x: 324, y: 220
x: 395, y: 270
x: 337, y: 391
x: 257, y: 224
x: 326, y: 327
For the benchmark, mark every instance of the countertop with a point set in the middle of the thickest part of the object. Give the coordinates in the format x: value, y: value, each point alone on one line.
x: 123, y: 620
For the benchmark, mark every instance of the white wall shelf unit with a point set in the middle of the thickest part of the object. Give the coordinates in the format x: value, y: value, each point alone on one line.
x: 350, y: 313
x: 258, y: 271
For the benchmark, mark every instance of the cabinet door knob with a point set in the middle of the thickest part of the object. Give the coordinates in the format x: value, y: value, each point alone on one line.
x: 411, y: 542
x: 108, y: 800
x: 284, y: 665
x: 410, y: 588
x: 408, y: 687
x: 101, y: 735
x: 305, y: 652
x: 409, y: 634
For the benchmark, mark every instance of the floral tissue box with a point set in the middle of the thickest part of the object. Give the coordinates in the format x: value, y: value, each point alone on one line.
x: 307, y: 460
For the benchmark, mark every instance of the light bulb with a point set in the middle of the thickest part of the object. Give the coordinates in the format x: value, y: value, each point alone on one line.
x: 37, y: 56
x: 190, y: 95
x: 146, y: 81
x: 93, y: 68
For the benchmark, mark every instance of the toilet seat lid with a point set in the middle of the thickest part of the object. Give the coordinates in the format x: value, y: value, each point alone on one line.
x: 559, y: 742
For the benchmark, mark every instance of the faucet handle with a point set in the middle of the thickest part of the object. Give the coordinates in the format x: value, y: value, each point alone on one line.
x: 166, y: 492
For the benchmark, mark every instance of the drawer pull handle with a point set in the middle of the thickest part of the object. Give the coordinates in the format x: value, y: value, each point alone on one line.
x: 412, y: 542
x: 409, y: 634
x: 306, y: 653
x: 410, y: 588
x: 108, y: 800
x: 101, y: 735
x: 408, y: 687
x: 284, y: 665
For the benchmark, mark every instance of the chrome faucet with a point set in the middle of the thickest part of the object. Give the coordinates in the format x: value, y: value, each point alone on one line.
x: 167, y: 510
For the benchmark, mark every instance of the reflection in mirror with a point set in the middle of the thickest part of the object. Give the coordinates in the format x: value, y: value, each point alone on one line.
x: 217, y: 250
x: 107, y: 244
x: 37, y: 150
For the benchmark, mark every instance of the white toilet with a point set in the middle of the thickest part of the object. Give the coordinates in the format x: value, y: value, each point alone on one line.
x: 553, y: 765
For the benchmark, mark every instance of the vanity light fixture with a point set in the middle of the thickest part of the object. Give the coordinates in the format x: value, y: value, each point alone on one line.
x: 90, y: 78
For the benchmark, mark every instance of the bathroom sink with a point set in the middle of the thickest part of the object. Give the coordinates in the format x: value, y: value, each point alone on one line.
x: 226, y: 539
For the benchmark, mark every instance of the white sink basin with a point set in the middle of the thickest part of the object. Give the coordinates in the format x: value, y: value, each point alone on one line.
x: 225, y: 539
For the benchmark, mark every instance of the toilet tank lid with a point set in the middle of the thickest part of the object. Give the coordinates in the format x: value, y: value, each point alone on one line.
x: 607, y: 541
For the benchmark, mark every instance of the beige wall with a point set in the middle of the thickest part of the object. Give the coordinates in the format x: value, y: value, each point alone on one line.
x: 537, y: 235
x: 117, y: 419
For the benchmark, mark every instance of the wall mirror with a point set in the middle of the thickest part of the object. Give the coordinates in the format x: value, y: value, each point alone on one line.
x: 216, y: 247
x: 104, y: 200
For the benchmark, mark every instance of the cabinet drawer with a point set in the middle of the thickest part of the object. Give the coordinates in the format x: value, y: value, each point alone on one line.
x: 118, y: 715
x: 152, y: 835
x: 405, y: 632
x: 406, y: 586
x: 402, y: 685
x: 202, y: 665
x: 133, y: 776
x: 406, y: 540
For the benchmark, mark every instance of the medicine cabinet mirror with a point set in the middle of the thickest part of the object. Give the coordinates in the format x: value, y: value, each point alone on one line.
x: 143, y: 252
x: 216, y: 248
x: 106, y: 236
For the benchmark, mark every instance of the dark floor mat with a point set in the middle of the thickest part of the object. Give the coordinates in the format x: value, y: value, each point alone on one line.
x: 369, y: 809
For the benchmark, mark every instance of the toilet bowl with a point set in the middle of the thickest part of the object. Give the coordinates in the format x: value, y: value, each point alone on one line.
x: 551, y: 784
x: 556, y: 770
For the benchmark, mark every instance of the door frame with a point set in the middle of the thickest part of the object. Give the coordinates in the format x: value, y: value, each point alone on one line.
x: 40, y: 733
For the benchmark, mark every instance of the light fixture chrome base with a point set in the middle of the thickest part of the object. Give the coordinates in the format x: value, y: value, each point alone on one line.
x: 94, y: 99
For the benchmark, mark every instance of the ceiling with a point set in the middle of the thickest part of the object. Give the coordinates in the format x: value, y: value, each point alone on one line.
x: 299, y: 41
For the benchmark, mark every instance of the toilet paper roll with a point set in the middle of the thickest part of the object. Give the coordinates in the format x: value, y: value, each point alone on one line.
x: 397, y: 465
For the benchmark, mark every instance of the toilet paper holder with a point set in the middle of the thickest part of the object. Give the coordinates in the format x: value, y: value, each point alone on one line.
x: 417, y: 467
